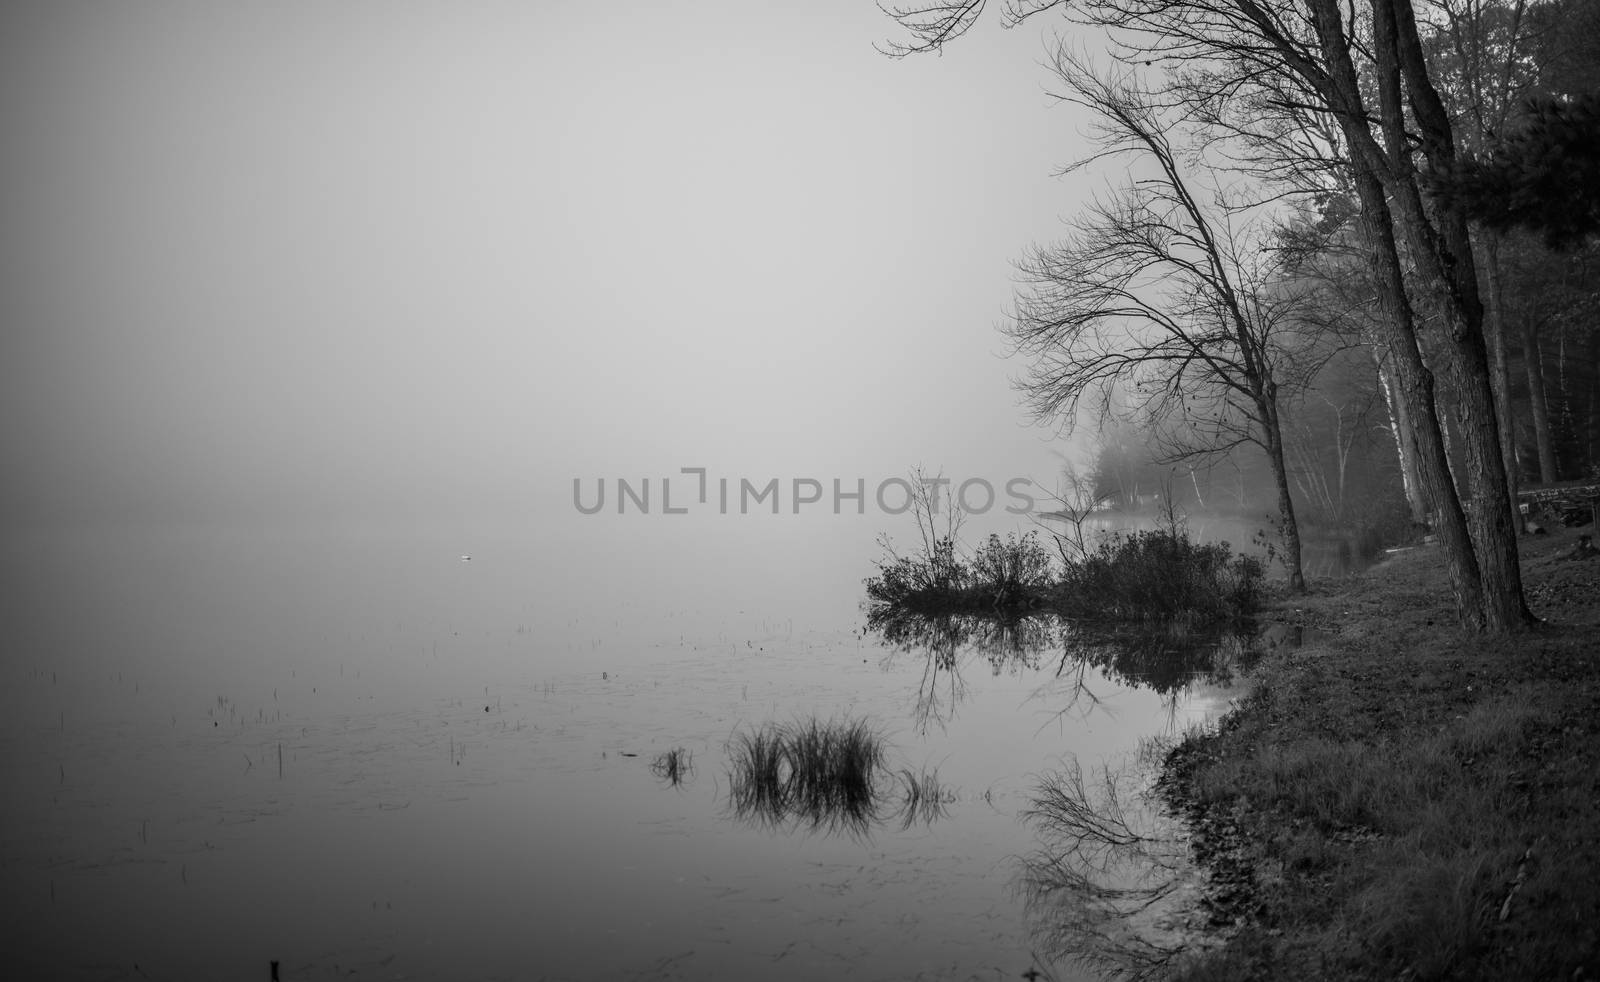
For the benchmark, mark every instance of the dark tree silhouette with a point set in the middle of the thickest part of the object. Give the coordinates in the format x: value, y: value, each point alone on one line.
x: 1544, y: 176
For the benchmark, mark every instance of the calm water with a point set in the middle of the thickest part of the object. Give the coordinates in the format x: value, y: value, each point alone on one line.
x: 352, y: 750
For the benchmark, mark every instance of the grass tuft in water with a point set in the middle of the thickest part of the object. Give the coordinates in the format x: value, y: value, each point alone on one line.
x: 833, y: 767
x: 674, y: 766
x: 758, y: 775
x: 824, y: 775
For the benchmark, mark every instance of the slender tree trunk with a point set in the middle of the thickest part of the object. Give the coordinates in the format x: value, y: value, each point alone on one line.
x: 1594, y: 404
x: 1405, y: 441
x: 1495, y: 329
x: 1534, y: 357
x: 1268, y: 408
x: 1343, y: 448
x: 1567, y: 425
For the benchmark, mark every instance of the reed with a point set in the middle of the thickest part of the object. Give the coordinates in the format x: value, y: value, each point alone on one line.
x: 758, y: 775
x: 821, y: 775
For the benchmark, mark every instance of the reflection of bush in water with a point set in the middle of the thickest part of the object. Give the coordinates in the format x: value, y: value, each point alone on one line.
x: 1165, y: 658
x: 1106, y: 872
x: 1002, y: 640
x: 1167, y: 661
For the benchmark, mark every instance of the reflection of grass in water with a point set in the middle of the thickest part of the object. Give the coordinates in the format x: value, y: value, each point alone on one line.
x: 923, y: 798
x: 674, y: 766
x: 758, y: 775
x: 824, y: 776
x: 832, y: 767
x: 827, y: 776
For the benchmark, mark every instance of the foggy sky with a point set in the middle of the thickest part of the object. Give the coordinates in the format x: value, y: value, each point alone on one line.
x: 309, y: 260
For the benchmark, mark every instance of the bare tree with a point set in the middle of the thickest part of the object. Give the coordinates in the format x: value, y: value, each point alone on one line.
x: 1160, y: 294
x: 1076, y: 501
x: 1322, y: 252
x: 1308, y: 57
x: 938, y: 564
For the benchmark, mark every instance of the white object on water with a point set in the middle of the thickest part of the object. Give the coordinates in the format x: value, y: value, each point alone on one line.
x: 466, y: 559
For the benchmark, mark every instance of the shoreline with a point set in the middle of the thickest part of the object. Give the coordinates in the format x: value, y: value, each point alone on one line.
x: 1401, y: 800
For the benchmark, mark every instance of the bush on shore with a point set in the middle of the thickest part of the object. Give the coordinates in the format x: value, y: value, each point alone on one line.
x: 1158, y: 575
x: 1161, y: 575
x: 1004, y: 575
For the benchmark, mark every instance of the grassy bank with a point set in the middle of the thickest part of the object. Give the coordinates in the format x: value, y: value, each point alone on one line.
x: 1402, y: 802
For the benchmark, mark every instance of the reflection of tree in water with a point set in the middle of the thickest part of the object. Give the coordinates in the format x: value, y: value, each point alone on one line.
x: 1165, y: 659
x: 1107, y: 878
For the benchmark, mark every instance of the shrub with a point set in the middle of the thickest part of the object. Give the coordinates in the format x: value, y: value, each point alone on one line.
x: 1154, y: 575
x: 1012, y: 569
x: 1158, y: 575
x: 913, y: 582
x: 1003, y: 575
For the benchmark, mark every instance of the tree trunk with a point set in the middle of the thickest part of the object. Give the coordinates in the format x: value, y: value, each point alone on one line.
x: 1441, y: 409
x: 1416, y: 396
x: 1405, y: 441
x: 1495, y: 329
x: 1447, y: 271
x: 1267, y: 406
x: 1536, y: 396
x: 1567, y: 425
x: 1594, y: 404
x: 1197, y: 495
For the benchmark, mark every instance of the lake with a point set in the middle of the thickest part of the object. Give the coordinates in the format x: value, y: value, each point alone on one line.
x: 352, y: 749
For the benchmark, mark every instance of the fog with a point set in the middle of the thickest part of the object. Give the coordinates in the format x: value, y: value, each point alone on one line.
x: 370, y: 379
x: 296, y: 263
